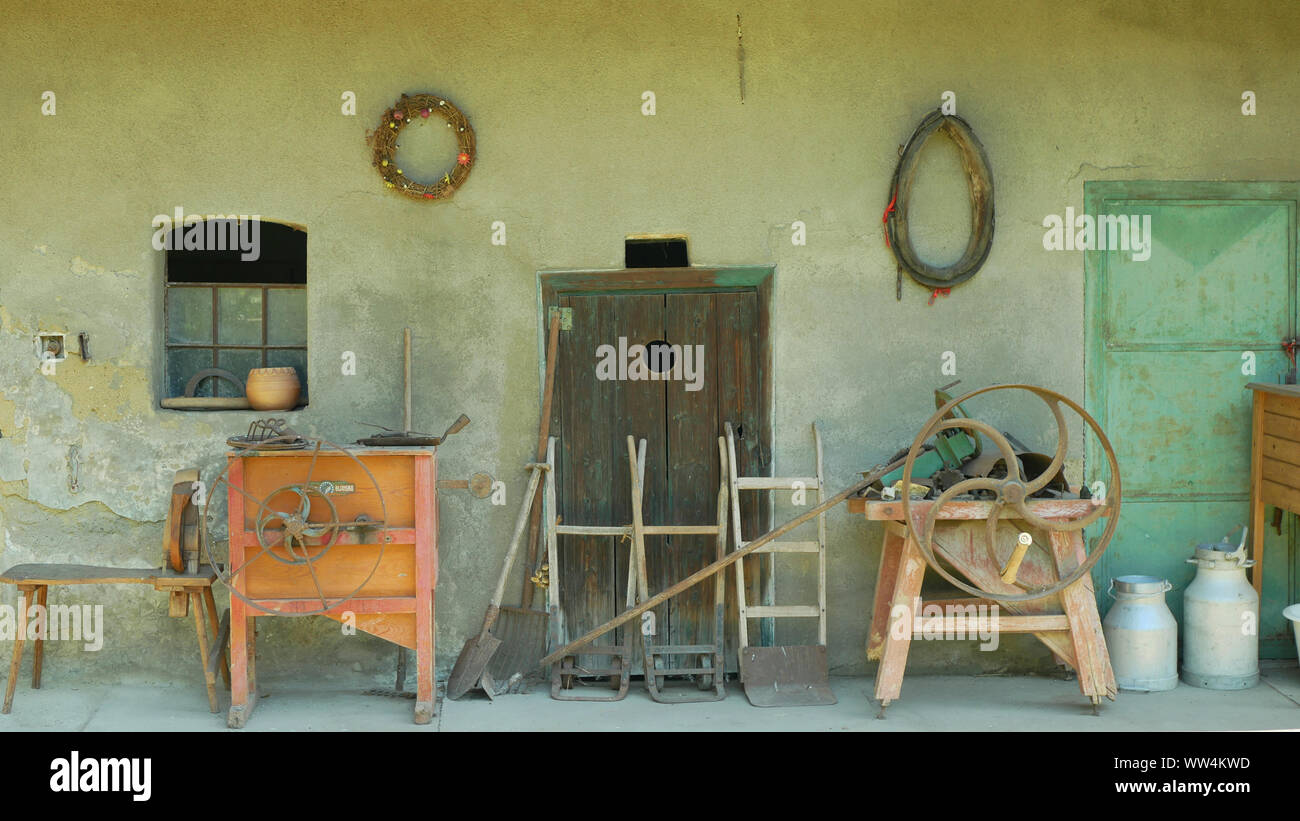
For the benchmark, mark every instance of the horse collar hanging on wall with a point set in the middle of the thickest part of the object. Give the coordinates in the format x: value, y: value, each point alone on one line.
x: 980, y: 176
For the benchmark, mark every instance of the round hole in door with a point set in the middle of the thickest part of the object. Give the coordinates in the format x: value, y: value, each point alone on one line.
x: 660, y: 356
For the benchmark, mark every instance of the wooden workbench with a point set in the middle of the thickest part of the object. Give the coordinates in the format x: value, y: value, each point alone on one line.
x: 187, y: 591
x: 1068, y: 623
x: 1274, y: 461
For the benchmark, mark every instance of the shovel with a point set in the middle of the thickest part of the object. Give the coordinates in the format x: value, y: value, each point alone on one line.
x: 471, y: 666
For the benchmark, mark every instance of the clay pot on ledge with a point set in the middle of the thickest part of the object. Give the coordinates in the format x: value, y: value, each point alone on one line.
x: 272, y: 389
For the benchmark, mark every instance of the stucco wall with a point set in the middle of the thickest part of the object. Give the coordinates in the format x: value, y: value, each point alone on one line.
x: 235, y: 108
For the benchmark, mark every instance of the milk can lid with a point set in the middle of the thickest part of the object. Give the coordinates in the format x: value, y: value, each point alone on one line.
x: 1140, y: 585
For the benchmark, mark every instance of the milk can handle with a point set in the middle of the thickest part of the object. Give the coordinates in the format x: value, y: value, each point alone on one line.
x: 1165, y: 586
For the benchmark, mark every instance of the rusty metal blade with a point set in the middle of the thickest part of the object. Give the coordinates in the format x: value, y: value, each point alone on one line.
x: 789, y: 676
x: 522, y: 632
x: 471, y: 663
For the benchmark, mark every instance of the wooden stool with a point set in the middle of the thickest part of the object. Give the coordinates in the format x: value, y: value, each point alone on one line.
x: 186, y: 591
x: 1067, y: 623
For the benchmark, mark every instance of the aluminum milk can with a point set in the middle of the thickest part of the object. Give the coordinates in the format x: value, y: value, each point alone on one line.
x: 1221, y: 620
x: 1142, y: 635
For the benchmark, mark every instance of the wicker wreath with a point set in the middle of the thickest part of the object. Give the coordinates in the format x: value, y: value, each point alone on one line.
x: 383, y: 144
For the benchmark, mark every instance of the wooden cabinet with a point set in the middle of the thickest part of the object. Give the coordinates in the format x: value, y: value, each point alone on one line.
x: 1274, y: 461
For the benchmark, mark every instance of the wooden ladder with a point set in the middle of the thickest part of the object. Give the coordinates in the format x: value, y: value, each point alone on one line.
x: 769, y: 483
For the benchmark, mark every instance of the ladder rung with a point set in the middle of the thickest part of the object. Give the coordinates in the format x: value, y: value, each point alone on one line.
x: 789, y: 547
x: 780, y: 611
x: 774, y: 482
x: 603, y: 650
x: 593, y: 530
x: 682, y: 530
x: 684, y: 671
x: 667, y: 649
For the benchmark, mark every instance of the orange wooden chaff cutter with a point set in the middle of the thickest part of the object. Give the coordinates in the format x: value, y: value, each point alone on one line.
x: 326, y: 531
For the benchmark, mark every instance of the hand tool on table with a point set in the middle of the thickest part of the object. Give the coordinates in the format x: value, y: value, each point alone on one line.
x: 407, y: 437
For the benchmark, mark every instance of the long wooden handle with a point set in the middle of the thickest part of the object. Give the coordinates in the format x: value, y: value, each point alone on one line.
x: 495, y: 603
x: 1012, y: 569
x: 733, y: 557
x: 544, y: 429
x: 406, y: 380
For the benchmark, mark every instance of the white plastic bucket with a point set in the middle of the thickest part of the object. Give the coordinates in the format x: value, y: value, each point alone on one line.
x: 1292, y: 614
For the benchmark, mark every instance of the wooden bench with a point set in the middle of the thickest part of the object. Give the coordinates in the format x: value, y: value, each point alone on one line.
x: 186, y: 591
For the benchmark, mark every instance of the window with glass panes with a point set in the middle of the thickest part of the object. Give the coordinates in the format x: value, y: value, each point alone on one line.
x: 225, y: 312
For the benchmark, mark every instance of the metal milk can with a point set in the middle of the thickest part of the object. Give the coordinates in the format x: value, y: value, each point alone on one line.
x: 1142, y: 635
x: 1221, y: 620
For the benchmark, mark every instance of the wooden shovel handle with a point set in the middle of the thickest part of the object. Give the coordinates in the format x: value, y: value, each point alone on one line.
x: 544, y: 429
x: 494, y: 605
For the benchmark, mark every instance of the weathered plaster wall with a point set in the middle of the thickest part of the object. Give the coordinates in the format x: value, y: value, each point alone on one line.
x: 234, y: 108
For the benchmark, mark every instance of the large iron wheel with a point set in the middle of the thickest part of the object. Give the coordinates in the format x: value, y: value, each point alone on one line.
x: 1011, y: 493
x: 288, y: 533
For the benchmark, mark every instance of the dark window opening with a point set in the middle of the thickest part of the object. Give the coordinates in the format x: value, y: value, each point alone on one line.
x: 655, y: 253
x: 235, y: 299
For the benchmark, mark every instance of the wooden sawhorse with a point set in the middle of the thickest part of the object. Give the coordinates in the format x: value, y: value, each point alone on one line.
x: 1068, y: 623
x: 186, y: 591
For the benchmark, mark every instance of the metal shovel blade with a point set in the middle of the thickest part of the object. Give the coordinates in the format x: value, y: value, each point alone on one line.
x: 471, y: 664
x: 791, y: 676
x: 523, y: 637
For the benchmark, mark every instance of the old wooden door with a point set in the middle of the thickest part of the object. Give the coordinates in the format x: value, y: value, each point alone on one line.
x: 1171, y: 343
x: 681, y: 420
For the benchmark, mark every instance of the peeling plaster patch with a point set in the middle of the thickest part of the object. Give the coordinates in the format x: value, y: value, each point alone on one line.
x: 8, y: 419
x: 7, y: 321
x: 107, y: 392
x: 81, y: 267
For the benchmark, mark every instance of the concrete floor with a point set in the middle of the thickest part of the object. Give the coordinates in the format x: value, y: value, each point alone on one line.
x: 927, y: 703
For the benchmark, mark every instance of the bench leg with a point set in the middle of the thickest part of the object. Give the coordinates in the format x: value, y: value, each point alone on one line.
x: 38, y: 646
x: 215, y: 622
x: 200, y: 627
x: 20, y: 634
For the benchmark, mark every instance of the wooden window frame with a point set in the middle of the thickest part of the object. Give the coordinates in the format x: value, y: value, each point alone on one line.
x: 216, y: 346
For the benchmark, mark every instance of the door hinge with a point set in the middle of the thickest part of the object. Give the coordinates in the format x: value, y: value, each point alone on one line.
x: 566, y: 317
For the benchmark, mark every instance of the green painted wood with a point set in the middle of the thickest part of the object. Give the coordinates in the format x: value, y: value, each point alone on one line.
x: 1165, y: 339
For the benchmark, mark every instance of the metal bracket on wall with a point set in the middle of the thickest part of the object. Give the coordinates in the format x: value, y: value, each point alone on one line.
x: 566, y: 317
x: 74, y: 468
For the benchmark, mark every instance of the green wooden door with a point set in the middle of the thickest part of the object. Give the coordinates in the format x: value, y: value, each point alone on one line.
x: 1168, y: 339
